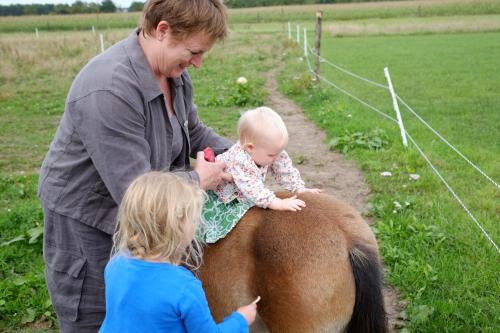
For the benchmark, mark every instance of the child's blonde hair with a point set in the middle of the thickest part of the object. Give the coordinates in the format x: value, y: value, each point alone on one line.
x: 152, y: 217
x: 261, y: 125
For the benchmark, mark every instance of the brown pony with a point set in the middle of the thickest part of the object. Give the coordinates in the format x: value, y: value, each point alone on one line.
x: 316, y: 270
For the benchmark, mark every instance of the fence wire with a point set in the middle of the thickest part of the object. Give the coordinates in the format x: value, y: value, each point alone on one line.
x: 424, y: 156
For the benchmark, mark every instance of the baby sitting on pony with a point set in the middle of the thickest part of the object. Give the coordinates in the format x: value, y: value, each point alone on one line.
x: 260, y: 149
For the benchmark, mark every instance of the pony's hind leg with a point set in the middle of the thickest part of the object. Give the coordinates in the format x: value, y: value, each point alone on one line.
x: 228, y: 269
x: 303, y: 274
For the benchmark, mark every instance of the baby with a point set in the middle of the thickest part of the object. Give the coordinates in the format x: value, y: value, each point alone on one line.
x: 262, y: 139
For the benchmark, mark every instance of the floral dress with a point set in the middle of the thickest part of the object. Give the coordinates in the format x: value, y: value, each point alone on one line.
x: 230, y: 201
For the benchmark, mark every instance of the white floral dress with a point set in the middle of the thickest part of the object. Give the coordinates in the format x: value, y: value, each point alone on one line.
x: 229, y: 202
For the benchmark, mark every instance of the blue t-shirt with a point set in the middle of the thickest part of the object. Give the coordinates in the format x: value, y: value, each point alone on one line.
x: 143, y: 296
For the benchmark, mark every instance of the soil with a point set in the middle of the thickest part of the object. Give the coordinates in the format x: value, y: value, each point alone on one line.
x: 325, y: 169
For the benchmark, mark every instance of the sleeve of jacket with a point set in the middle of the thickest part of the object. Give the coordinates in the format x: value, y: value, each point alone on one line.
x: 200, y: 136
x: 112, y: 131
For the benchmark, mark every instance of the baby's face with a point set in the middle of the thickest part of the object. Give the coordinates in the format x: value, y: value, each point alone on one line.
x: 265, y: 153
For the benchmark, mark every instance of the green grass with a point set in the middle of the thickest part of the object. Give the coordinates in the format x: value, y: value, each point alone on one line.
x: 435, y: 254
x: 335, y: 12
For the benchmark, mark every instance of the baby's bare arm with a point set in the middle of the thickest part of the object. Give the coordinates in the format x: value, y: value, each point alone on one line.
x: 292, y: 204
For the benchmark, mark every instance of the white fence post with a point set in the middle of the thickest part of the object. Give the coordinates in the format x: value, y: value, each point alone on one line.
x: 305, y: 42
x: 289, y: 31
x: 93, y: 30
x: 298, y: 34
x: 396, y: 107
x: 101, y: 37
x: 36, y: 33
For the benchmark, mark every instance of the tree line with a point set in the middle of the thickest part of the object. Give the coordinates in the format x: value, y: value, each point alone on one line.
x: 78, y: 7
x: 108, y: 6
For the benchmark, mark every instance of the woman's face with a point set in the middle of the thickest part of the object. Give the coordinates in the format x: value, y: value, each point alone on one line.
x: 175, y: 55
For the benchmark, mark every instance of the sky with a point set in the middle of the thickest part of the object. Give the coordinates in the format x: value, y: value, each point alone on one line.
x: 118, y: 3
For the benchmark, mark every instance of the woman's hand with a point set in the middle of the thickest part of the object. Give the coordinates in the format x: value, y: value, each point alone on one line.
x: 211, y: 173
x: 293, y: 204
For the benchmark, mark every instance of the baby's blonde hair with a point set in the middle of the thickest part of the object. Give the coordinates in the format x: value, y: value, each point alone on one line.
x: 261, y: 125
x: 152, y: 218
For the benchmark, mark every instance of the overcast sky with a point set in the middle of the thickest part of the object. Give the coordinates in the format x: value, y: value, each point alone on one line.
x: 119, y: 3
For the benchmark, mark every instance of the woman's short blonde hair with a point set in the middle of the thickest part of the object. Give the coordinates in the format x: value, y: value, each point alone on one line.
x: 152, y: 217
x: 261, y: 125
x: 186, y: 17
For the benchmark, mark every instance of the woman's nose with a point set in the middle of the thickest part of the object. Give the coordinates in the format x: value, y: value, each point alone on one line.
x: 196, y: 61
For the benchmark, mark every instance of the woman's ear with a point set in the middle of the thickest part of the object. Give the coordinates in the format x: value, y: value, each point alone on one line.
x: 162, y: 29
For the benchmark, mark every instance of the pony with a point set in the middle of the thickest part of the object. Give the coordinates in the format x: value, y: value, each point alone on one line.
x: 316, y: 270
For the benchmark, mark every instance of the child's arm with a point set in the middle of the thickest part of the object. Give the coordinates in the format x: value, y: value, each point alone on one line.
x: 309, y: 190
x: 293, y: 204
x: 250, y: 182
x: 288, y: 176
x: 196, y: 316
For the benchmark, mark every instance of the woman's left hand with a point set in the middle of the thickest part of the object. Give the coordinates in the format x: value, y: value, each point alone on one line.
x: 211, y: 173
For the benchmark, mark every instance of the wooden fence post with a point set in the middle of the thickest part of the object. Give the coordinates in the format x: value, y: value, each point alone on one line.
x: 319, y: 16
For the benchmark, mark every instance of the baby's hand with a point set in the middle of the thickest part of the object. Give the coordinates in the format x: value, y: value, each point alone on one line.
x: 309, y: 190
x: 293, y: 204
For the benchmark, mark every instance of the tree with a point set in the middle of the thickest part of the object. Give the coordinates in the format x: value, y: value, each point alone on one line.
x: 108, y: 6
x: 136, y: 6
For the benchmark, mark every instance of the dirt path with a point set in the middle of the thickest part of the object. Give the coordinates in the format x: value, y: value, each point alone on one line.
x: 323, y: 168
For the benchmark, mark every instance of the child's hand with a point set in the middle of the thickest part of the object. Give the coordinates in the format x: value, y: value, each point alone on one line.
x: 248, y: 312
x: 309, y: 190
x: 293, y: 204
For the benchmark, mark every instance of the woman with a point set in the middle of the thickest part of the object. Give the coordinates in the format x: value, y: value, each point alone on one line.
x: 129, y: 111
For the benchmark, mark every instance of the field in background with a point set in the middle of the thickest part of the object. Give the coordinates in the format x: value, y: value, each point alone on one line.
x: 444, y: 268
x: 265, y: 15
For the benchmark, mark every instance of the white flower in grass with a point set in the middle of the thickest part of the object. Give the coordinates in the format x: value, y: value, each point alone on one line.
x: 301, y: 59
x: 397, y: 205
x: 242, y: 80
x: 349, y: 116
x: 386, y: 174
x: 414, y: 176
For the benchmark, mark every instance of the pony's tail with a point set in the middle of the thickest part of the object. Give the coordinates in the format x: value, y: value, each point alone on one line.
x: 369, y: 314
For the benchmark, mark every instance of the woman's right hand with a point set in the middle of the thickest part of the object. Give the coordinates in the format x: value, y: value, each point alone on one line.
x: 211, y: 173
x: 248, y: 312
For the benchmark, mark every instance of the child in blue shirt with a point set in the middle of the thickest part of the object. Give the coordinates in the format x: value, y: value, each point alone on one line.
x: 148, y: 288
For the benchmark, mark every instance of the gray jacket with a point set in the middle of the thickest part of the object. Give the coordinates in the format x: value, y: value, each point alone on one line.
x: 115, y: 128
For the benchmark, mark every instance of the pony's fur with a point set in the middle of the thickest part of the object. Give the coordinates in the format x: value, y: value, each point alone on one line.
x: 316, y: 270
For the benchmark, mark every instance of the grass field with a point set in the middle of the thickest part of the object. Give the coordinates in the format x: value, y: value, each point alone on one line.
x: 435, y: 255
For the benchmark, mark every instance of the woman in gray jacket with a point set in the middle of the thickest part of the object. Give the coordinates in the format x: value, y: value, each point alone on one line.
x: 129, y: 111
